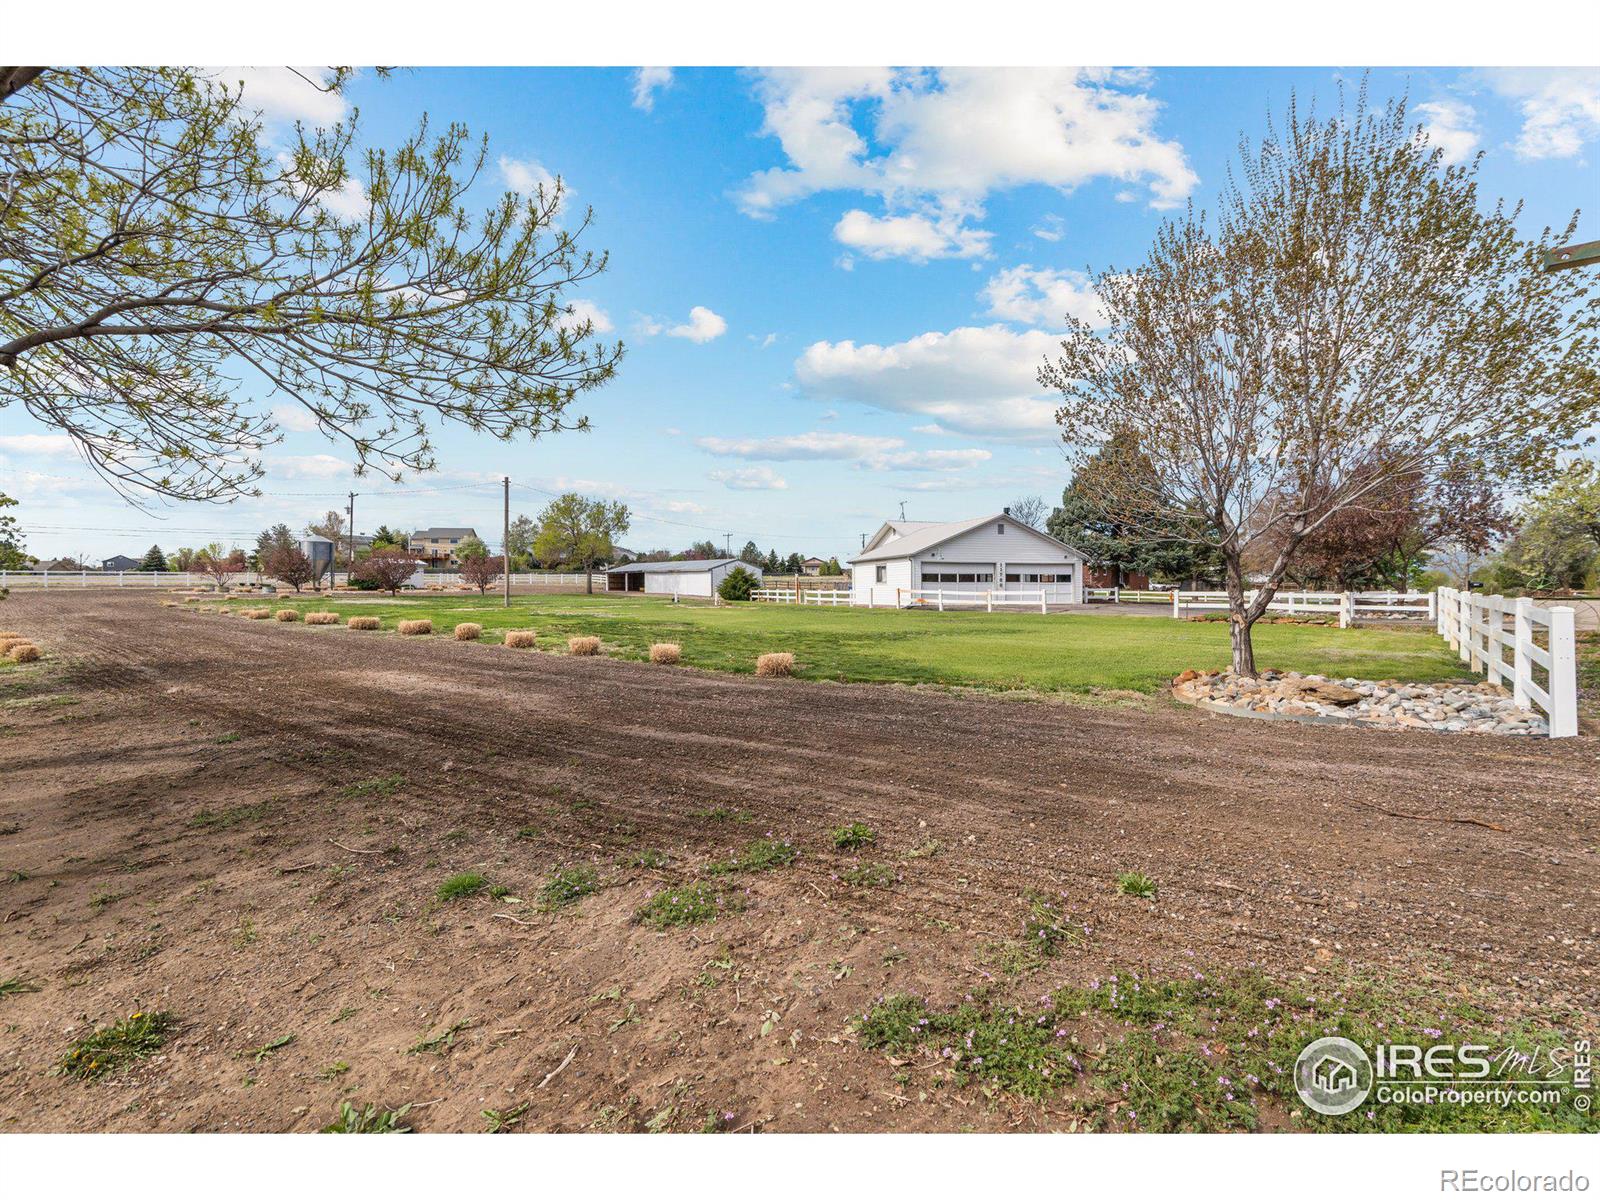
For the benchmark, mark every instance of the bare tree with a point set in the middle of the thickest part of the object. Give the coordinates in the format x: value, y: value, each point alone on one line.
x: 1351, y: 314
x: 153, y: 242
x: 1031, y: 511
x: 388, y: 569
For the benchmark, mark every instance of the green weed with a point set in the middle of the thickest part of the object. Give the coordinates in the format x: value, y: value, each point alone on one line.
x: 111, y: 1047
x: 567, y: 887
x: 1132, y: 883
x: 687, y: 904
x: 370, y: 1119
x: 853, y: 836
x: 459, y: 887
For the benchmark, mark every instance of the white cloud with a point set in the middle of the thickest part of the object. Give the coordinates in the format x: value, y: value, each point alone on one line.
x: 702, y: 326
x: 972, y: 380
x: 916, y: 237
x: 1050, y: 228
x: 349, y: 201
x: 1560, y: 107
x: 1040, y: 296
x: 1450, y: 126
x: 283, y: 96
x: 647, y: 81
x: 942, y: 140
x: 934, y: 430
x: 293, y: 417
x: 44, y: 445
x: 527, y: 177
x: 307, y: 466
x: 930, y: 460
x: 796, y: 446
x: 750, y: 479
x: 579, y: 311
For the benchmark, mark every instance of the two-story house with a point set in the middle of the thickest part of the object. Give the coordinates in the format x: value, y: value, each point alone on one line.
x: 437, y: 546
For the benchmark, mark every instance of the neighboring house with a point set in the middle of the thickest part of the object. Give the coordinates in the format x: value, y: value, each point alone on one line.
x: 437, y: 546
x: 60, y: 564
x: 813, y: 566
x: 691, y: 577
x: 120, y: 562
x: 1105, y: 577
x: 973, y: 557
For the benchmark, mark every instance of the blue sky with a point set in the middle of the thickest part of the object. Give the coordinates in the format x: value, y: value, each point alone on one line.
x: 834, y: 286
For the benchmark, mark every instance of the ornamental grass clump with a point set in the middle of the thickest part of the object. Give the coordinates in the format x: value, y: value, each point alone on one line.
x: 468, y: 631
x: 363, y: 623
x: 775, y: 665
x: 521, y: 639
x: 665, y: 652
x: 322, y: 618
x: 414, y: 628
x: 583, y: 645
x: 286, y: 614
x: 256, y: 614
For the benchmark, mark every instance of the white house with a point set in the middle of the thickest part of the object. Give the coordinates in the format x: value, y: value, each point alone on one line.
x: 907, y: 562
x: 693, y: 577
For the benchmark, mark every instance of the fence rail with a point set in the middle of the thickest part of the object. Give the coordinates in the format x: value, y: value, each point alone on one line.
x: 1540, y: 675
x: 182, y: 579
x: 1346, y: 606
x: 1122, y: 595
x: 804, y: 595
x: 942, y: 598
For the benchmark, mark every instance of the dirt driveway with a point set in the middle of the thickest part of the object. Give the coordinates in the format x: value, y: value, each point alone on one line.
x: 246, y: 823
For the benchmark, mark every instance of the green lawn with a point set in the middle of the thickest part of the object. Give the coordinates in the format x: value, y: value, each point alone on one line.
x: 1073, y: 653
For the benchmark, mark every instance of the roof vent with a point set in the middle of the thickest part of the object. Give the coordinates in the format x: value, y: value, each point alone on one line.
x: 1007, y: 511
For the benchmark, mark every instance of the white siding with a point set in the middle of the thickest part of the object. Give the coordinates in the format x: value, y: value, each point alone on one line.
x: 865, y: 588
x: 679, y: 583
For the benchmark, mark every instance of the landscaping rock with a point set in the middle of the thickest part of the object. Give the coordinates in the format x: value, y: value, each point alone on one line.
x: 1385, y: 704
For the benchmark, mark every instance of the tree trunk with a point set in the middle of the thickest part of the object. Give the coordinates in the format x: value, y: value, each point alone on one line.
x: 1239, y: 622
x: 588, y: 580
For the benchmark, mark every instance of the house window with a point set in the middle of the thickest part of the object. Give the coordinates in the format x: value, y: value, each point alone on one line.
x: 1000, y: 528
x: 883, y: 574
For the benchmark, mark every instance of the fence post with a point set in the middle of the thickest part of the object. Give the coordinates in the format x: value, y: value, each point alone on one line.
x: 1175, y: 610
x: 1463, y: 625
x: 1042, y: 593
x: 1347, y: 610
x: 1433, y: 606
x: 988, y: 598
x: 938, y: 594
x: 1494, y: 617
x: 1563, y: 683
x: 1522, y: 637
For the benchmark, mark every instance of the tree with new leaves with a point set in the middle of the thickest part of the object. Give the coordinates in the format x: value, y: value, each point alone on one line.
x: 1557, y: 543
x: 750, y: 553
x: 479, y: 568
x: 387, y: 570
x: 519, y: 541
x: 290, y: 565
x: 156, y: 248
x: 153, y: 560
x: 1352, y: 312
x: 14, y: 554
x: 221, y: 565
x: 577, y: 532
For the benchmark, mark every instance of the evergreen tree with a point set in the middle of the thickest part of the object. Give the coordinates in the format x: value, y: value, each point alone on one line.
x: 751, y: 554
x: 153, y: 560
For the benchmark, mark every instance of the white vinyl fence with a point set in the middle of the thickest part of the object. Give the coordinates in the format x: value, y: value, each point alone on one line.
x: 830, y: 598
x: 1542, y: 670
x: 988, y: 600
x: 1348, y: 607
x: 1122, y: 595
x: 49, y: 579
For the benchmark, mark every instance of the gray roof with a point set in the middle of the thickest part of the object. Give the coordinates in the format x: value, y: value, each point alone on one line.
x: 445, y: 531
x: 681, y: 566
x: 924, y: 536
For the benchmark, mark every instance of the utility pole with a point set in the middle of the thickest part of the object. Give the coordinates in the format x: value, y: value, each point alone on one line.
x: 350, y: 559
x: 505, y: 534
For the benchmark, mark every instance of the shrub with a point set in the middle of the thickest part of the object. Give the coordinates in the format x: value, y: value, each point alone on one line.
x: 459, y: 887
x: 521, y: 639
x: 583, y: 645
x: 1133, y: 883
x: 737, y: 584
x: 853, y: 835
x: 468, y: 631
x: 665, y: 652
x: 23, y: 652
x: 568, y: 887
x: 363, y: 623
x: 414, y: 628
x: 774, y: 665
x: 322, y: 618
